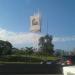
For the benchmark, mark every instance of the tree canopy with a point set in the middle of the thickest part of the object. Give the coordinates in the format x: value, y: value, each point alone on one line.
x: 5, y: 48
x: 45, y: 45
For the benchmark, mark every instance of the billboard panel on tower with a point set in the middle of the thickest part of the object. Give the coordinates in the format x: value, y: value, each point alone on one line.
x: 35, y: 23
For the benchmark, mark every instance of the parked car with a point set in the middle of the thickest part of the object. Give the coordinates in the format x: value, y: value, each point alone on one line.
x: 48, y: 62
x: 58, y: 61
x: 68, y: 60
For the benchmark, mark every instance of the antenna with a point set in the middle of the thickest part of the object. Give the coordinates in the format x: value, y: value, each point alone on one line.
x: 34, y: 13
x: 38, y: 13
x: 47, y: 27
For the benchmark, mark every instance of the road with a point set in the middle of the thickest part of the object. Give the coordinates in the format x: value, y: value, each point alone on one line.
x: 30, y: 69
x: 31, y: 74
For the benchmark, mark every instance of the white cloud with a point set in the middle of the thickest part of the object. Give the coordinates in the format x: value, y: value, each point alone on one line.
x: 19, y: 38
x: 27, y: 38
x: 64, y: 39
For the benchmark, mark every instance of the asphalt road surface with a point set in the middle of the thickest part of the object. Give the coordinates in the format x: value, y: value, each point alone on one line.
x: 31, y: 74
x: 30, y: 69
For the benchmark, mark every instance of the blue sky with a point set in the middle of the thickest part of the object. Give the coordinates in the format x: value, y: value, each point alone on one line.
x: 60, y: 15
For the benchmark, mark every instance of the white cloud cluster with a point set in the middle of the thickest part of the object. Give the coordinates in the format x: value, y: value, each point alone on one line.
x: 64, y: 39
x: 19, y: 38
x: 27, y: 38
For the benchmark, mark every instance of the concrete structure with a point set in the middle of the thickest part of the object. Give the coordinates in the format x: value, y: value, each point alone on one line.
x: 69, y: 70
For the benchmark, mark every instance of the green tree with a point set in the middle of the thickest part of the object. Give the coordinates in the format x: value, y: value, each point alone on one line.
x: 72, y: 52
x: 14, y: 50
x: 5, y: 48
x: 29, y: 50
x: 59, y: 52
x: 45, y: 45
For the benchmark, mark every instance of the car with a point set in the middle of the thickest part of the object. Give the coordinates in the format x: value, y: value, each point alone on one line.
x: 68, y: 60
x: 48, y: 62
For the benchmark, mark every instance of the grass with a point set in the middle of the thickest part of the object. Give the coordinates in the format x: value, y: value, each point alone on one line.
x: 29, y: 62
x: 1, y: 62
x: 40, y: 57
x: 43, y: 57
